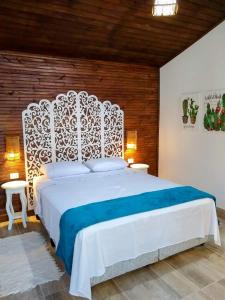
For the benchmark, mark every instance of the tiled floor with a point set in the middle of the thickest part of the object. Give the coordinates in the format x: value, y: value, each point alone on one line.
x: 197, y: 274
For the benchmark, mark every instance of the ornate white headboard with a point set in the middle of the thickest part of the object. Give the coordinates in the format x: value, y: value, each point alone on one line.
x: 74, y: 127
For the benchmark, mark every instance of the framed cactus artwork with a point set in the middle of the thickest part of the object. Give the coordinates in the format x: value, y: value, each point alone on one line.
x: 190, y: 111
x: 214, y: 111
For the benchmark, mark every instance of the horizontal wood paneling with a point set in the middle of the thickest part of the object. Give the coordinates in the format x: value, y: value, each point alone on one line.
x: 110, y: 30
x: 28, y: 78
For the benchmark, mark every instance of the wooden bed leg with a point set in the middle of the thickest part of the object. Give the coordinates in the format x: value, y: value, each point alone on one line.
x: 52, y: 243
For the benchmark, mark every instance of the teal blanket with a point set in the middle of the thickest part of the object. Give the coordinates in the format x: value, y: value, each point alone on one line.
x: 75, y: 219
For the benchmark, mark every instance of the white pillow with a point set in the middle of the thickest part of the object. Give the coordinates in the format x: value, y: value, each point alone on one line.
x: 106, y: 164
x: 63, y: 168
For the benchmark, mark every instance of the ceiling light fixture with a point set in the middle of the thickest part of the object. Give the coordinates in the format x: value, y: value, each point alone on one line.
x: 165, y: 8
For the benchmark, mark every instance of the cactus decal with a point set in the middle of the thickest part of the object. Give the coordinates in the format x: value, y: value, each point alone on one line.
x: 214, y: 116
x: 185, y: 111
x: 190, y: 109
x: 193, y: 111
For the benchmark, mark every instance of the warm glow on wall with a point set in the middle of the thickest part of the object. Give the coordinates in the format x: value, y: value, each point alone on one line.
x: 12, y: 147
x: 131, y: 145
x: 12, y: 156
x: 165, y: 8
x: 132, y: 139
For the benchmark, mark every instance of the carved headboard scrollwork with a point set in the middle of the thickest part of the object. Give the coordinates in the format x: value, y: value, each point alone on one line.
x: 74, y: 127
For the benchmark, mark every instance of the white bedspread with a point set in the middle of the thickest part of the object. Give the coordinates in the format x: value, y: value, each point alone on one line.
x: 106, y: 243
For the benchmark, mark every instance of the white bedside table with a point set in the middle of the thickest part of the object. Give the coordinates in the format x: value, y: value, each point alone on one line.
x: 15, y: 187
x: 140, y: 167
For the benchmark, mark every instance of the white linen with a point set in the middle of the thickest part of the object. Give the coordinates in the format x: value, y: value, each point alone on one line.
x: 106, y: 243
x: 106, y: 164
x: 63, y: 168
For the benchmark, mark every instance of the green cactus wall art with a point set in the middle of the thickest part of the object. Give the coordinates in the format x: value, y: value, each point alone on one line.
x: 185, y: 111
x: 193, y: 111
x: 190, y: 111
x: 214, y: 118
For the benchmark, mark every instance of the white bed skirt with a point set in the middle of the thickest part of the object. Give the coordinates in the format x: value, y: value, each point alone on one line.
x: 145, y: 259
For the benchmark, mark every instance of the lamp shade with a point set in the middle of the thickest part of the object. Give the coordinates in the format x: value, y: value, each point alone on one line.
x: 12, y: 147
x: 165, y: 8
x: 132, y: 139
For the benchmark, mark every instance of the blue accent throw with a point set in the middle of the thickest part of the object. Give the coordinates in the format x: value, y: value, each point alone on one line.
x: 75, y: 219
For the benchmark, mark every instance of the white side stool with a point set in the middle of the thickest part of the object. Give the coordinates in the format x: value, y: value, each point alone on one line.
x: 15, y: 187
x: 140, y: 167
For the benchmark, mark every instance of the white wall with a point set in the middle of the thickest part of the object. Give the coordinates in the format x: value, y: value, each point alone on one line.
x: 187, y: 157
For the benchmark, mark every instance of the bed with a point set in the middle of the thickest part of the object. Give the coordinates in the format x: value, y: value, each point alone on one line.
x: 59, y: 131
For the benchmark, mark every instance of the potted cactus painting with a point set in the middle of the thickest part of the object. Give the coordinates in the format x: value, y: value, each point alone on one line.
x: 190, y: 112
x: 185, y: 111
x: 214, y: 117
x: 193, y: 111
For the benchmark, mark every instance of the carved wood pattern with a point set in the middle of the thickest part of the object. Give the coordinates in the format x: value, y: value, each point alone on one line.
x: 73, y: 127
x: 90, y: 126
x: 65, y: 132
x: 113, y: 129
x: 37, y: 138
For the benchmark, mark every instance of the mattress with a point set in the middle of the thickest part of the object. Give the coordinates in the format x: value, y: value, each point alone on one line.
x: 108, y: 243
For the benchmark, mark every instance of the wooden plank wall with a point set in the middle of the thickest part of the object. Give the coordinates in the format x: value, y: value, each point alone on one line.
x: 29, y: 78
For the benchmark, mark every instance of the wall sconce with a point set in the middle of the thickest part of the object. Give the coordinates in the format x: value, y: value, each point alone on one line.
x: 131, y: 145
x: 132, y: 139
x: 12, y: 147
